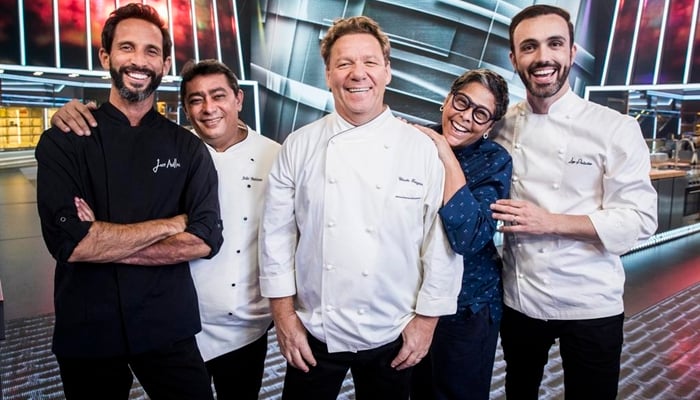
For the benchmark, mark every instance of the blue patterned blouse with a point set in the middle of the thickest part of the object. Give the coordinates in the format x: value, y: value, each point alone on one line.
x: 470, y: 227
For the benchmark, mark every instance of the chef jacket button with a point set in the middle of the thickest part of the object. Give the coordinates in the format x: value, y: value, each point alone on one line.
x: 230, y: 313
x: 361, y: 311
x: 233, y: 285
x: 386, y: 146
x: 245, y: 218
x: 365, y: 273
x: 248, y: 186
x: 560, y: 151
x: 517, y: 146
x: 369, y: 229
x: 238, y: 251
x: 378, y: 186
x: 541, y: 250
x: 546, y: 281
x: 555, y: 186
x: 329, y: 308
x: 329, y: 267
x: 515, y: 178
x: 330, y: 224
x: 62, y: 219
x: 332, y: 180
x: 521, y: 276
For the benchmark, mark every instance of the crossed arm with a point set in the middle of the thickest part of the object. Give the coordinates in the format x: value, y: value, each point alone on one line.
x: 155, y: 242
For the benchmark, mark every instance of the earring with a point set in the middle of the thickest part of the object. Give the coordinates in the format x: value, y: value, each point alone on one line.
x: 486, y: 135
x: 442, y: 108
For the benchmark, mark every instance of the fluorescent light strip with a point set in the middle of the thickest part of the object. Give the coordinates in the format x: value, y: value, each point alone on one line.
x: 667, y: 236
x: 22, y: 41
x: 635, y: 37
x: 691, y: 44
x: 238, y: 42
x: 193, y: 16
x: 172, y: 47
x: 216, y: 29
x: 56, y: 34
x: 662, y: 35
x: 616, y: 14
x: 88, y: 33
x: 650, y: 88
x: 51, y: 70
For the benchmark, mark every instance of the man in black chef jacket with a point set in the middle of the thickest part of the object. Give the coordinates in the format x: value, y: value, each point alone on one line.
x: 123, y: 211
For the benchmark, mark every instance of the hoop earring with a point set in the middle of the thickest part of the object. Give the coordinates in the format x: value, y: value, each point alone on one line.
x: 486, y: 135
x: 442, y: 108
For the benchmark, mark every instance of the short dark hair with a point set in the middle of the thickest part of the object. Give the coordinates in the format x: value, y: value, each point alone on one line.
x: 491, y: 81
x: 192, y: 70
x: 139, y: 11
x: 539, y: 10
x: 352, y: 25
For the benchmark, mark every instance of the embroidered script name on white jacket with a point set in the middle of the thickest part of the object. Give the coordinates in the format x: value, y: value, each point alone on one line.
x: 584, y: 159
x: 350, y: 226
x: 232, y: 311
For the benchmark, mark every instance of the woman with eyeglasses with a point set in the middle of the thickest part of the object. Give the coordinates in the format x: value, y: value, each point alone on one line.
x: 477, y: 172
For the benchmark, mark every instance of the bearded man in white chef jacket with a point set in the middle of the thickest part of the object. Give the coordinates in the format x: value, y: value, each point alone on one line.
x: 581, y: 197
x: 354, y: 258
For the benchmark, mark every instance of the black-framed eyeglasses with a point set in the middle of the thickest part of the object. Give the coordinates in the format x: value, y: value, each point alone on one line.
x: 462, y: 102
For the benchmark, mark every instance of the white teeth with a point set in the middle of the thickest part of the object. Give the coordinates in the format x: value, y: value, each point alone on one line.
x: 211, y: 122
x: 459, y: 127
x: 357, y: 90
x: 543, y: 72
x: 137, y: 75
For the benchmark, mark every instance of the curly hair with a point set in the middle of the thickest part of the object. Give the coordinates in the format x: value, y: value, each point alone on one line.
x: 490, y: 80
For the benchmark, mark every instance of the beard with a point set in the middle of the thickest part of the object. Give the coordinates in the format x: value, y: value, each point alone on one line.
x: 134, y: 95
x: 550, y: 89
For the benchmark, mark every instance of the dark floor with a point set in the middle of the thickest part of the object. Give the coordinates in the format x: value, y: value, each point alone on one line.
x: 660, y: 359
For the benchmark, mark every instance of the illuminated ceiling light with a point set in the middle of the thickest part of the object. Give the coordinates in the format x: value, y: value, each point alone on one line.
x: 73, y: 75
x: 2, y: 71
x: 105, y: 77
x: 38, y: 73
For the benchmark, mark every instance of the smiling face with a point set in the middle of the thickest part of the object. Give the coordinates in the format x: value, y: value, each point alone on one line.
x: 458, y: 127
x: 212, y: 107
x: 135, y: 61
x: 542, y: 56
x: 357, y: 74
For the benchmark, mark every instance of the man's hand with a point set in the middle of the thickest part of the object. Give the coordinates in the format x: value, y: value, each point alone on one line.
x: 84, y: 211
x: 417, y: 337
x: 524, y: 217
x: 291, y: 334
x: 75, y: 116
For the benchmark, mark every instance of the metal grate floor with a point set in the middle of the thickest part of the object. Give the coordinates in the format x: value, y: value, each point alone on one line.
x: 660, y: 359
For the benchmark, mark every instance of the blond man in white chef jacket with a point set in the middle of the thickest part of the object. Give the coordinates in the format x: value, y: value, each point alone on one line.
x: 354, y: 257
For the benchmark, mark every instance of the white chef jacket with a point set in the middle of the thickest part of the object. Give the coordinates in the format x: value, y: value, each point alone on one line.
x: 584, y: 159
x: 232, y: 311
x: 350, y: 226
